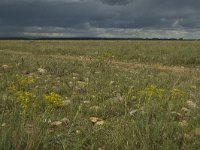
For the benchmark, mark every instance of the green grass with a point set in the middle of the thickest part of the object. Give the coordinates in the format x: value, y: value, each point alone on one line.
x: 139, y: 106
x: 164, y: 52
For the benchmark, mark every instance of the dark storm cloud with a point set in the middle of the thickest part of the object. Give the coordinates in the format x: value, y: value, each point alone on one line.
x: 117, y: 2
x: 97, y: 17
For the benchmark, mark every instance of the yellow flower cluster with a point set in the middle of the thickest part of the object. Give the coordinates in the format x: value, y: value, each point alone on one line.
x: 22, y: 89
x: 19, y: 88
x: 153, y: 91
x: 24, y: 99
x: 53, y: 100
x: 12, y: 87
x: 23, y: 81
x: 176, y: 93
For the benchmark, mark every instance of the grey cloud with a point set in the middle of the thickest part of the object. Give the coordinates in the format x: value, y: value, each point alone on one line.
x: 111, y: 32
x: 86, y: 16
x: 50, y: 14
x: 117, y: 2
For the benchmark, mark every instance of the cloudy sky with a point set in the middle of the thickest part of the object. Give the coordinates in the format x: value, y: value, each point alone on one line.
x: 100, y: 18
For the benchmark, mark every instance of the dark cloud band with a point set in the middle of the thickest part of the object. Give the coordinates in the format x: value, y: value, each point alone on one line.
x: 89, y: 15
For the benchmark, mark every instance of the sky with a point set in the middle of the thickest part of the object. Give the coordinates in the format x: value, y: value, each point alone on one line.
x: 100, y: 18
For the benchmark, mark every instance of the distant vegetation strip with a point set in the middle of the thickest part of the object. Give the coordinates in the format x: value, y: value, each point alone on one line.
x: 127, y: 65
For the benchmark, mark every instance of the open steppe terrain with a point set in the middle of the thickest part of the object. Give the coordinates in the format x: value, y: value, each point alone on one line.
x: 99, y: 94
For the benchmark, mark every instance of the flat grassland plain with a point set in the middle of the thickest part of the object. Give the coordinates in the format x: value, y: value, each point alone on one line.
x: 99, y: 94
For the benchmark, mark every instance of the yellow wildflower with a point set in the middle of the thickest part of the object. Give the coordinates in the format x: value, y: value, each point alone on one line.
x: 23, y: 99
x: 53, y: 100
x: 177, y: 93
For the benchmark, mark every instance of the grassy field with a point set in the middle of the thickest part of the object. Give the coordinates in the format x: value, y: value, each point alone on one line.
x: 100, y: 95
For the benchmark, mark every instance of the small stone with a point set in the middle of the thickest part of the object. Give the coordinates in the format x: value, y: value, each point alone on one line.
x: 5, y: 66
x: 112, y: 82
x: 185, y: 110
x: 134, y: 97
x: 3, y: 124
x: 78, y: 131
x: 100, y: 122
x: 65, y: 120
x: 42, y: 71
x: 74, y: 78
x: 94, y: 119
x: 97, y: 121
x: 86, y: 102
x: 56, y: 123
x: 133, y: 112
x: 191, y: 104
